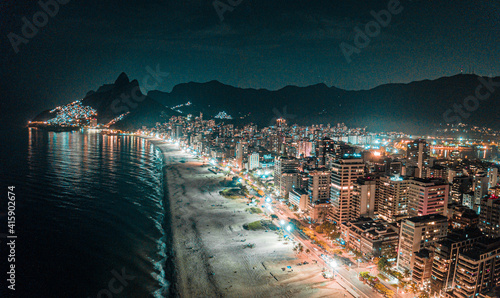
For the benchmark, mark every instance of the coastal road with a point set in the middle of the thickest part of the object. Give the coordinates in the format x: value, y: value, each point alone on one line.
x: 346, y: 277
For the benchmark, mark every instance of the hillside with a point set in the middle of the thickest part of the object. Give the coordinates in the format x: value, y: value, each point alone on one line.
x: 415, y: 107
x: 122, y: 98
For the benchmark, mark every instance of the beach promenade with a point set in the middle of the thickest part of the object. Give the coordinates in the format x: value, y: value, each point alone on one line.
x: 212, y: 258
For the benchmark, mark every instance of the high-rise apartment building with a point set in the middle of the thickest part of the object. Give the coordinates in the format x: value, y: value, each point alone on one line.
x: 436, y: 171
x: 239, y: 155
x: 363, y: 198
x: 323, y: 147
x: 305, y: 147
x: 319, y: 186
x: 489, y: 216
x: 289, y: 166
x: 445, y: 258
x: 417, y: 233
x: 495, y: 190
x: 253, y: 161
x: 422, y: 267
x: 345, y: 172
x: 463, y: 217
x: 342, y: 150
x: 373, y: 238
x: 481, y: 182
x: 319, y: 195
x: 492, y: 177
x: 299, y: 198
x: 395, y: 168
x: 392, y: 198
x: 288, y: 181
x: 427, y: 196
x: 460, y: 185
x: 418, y: 152
x: 477, y: 269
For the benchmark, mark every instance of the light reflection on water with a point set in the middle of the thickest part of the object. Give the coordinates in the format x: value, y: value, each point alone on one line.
x: 470, y: 153
x: 95, y: 204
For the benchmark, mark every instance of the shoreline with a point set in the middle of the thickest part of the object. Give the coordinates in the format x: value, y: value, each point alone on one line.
x: 207, y: 248
x: 170, y: 264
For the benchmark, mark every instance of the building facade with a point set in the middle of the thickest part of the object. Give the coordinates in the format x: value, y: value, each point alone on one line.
x: 299, y: 198
x: 345, y: 172
x: 417, y: 151
x: 489, y: 216
x: 477, y: 269
x: 445, y: 258
x: 392, y: 198
x: 373, y: 238
x: 363, y: 198
x: 284, y: 165
x: 427, y: 196
x: 417, y: 233
x: 422, y: 267
x: 319, y: 187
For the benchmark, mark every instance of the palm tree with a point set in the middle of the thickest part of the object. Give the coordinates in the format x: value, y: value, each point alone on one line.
x: 407, y: 273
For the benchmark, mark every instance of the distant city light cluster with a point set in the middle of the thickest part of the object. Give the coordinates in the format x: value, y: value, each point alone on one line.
x: 467, y: 129
x: 176, y: 108
x: 72, y: 114
x: 223, y: 115
x: 116, y: 119
x: 181, y: 105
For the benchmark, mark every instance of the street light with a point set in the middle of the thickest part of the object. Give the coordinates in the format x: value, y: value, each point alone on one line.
x: 288, y: 228
x: 282, y: 222
x: 334, y: 265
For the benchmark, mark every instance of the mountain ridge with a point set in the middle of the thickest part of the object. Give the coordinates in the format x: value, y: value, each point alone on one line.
x: 417, y: 106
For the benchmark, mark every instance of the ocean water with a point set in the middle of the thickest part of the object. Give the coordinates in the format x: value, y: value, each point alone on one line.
x: 91, y: 215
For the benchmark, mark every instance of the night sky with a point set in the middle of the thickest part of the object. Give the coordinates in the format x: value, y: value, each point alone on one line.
x: 259, y: 44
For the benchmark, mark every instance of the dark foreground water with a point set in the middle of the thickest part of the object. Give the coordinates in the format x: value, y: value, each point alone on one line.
x: 90, y: 216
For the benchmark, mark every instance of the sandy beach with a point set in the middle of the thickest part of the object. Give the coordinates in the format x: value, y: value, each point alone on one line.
x: 209, y: 242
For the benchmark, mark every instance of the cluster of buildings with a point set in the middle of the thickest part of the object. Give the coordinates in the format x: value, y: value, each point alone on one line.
x: 73, y: 114
x: 437, y: 219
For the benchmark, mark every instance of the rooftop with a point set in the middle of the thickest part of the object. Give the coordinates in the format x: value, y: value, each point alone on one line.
x: 483, y: 246
x: 299, y: 191
x: 424, y: 253
x: 465, y: 212
x: 494, y: 198
x: 372, y: 226
x: 432, y: 181
x: 426, y: 218
x: 460, y: 235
